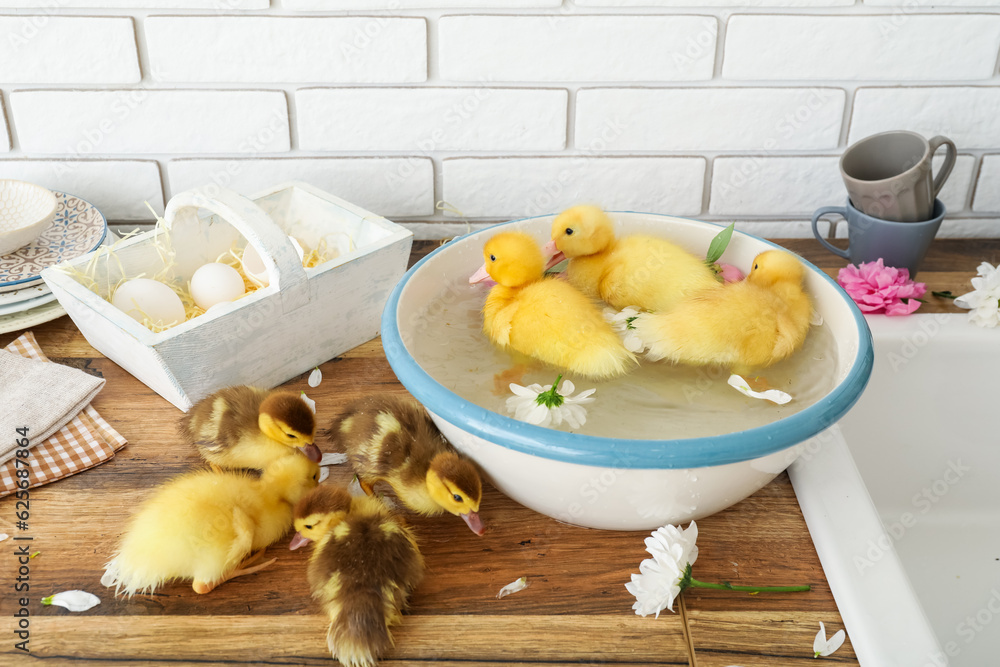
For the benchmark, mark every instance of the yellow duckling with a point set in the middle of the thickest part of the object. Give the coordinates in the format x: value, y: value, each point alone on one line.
x: 643, y: 271
x: 545, y: 318
x: 204, y: 525
x: 249, y: 427
x: 363, y: 567
x: 744, y: 325
x: 393, y: 440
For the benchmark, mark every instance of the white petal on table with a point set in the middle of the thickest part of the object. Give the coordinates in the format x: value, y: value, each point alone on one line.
x: 311, y: 403
x: 772, y: 395
x: 3, y: 536
x: 333, y: 459
x: 824, y: 647
x: 513, y: 587
x: 323, y: 474
x: 315, y: 377
x: 73, y: 600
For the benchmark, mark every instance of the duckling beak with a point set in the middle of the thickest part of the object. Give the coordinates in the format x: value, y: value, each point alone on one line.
x: 474, y: 522
x: 480, y: 276
x: 298, y: 541
x: 312, y: 453
x: 553, y: 254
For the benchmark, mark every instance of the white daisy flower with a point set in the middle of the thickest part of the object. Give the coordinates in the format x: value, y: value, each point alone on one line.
x: 984, y: 300
x: 545, y: 406
x: 622, y: 322
x: 823, y: 646
x: 662, y: 577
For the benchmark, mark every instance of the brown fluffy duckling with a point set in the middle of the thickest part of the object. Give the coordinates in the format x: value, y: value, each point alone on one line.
x: 249, y: 427
x: 363, y: 567
x: 393, y: 439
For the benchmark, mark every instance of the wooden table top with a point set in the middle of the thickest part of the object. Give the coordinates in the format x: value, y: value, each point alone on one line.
x: 575, y: 610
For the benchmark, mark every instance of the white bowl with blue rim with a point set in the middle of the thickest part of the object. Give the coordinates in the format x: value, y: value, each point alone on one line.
x: 611, y: 483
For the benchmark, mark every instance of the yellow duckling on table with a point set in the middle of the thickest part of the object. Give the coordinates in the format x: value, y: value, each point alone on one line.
x: 364, y: 565
x: 392, y: 439
x: 746, y: 325
x: 545, y: 317
x: 203, y: 526
x: 643, y: 271
x: 249, y: 427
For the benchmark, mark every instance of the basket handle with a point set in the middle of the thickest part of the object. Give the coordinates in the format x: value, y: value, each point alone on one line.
x: 284, y: 268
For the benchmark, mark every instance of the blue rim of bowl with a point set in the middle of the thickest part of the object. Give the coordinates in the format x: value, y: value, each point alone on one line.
x: 104, y: 235
x: 624, y: 453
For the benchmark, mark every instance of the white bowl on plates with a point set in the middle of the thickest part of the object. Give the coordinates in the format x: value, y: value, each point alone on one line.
x: 26, y: 210
x: 612, y: 483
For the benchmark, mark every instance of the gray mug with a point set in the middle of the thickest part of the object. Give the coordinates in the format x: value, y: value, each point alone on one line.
x: 899, y: 244
x: 888, y: 175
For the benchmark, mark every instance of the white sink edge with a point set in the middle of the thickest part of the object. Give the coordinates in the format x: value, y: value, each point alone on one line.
x: 884, y: 618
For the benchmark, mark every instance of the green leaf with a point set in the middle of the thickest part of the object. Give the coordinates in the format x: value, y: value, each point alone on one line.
x: 560, y: 267
x: 719, y: 244
x: 551, y: 398
x: 945, y: 294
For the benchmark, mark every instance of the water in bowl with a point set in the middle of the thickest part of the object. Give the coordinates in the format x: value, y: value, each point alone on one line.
x: 656, y: 401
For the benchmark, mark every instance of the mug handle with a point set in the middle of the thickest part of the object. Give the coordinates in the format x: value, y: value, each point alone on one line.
x: 949, y: 160
x: 827, y: 210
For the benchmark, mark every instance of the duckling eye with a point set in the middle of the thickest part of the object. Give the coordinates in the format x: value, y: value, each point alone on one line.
x: 754, y: 267
x: 457, y: 497
x: 493, y: 258
x: 569, y: 231
x: 308, y: 527
x: 292, y: 436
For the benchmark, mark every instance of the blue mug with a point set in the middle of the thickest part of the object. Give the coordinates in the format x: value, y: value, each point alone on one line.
x: 899, y: 244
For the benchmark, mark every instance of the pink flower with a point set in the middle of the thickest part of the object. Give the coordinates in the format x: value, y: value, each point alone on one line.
x: 730, y: 273
x: 877, y: 288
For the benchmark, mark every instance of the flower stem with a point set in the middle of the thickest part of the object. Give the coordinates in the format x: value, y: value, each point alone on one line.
x: 752, y: 589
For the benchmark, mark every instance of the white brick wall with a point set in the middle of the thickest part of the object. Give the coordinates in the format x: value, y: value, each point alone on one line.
x: 724, y: 109
x: 519, y: 187
x: 710, y: 119
x: 150, y: 121
x: 62, y: 49
x: 884, y: 47
x: 117, y: 187
x: 372, y: 49
x: 429, y: 119
x: 402, y: 186
x: 577, y: 48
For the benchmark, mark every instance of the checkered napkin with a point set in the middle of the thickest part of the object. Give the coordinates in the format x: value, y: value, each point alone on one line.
x: 85, y: 441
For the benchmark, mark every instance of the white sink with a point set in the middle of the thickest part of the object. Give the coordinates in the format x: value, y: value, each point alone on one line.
x: 902, y: 497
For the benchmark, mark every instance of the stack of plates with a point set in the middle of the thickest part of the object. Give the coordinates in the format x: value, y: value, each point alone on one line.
x: 25, y: 299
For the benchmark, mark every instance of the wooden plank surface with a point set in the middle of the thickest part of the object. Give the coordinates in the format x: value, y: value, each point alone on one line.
x: 576, y: 609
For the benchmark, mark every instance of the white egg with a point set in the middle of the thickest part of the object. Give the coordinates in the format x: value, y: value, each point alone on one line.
x: 214, y: 283
x: 141, y: 297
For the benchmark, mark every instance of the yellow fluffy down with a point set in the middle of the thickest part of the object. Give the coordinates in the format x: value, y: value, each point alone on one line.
x: 744, y: 326
x: 552, y: 321
x: 200, y: 526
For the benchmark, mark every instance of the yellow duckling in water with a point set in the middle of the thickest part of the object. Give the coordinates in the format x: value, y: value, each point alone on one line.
x: 545, y: 317
x: 745, y: 325
x: 644, y: 271
x: 249, y: 427
x: 364, y: 565
x: 203, y: 526
x: 393, y: 439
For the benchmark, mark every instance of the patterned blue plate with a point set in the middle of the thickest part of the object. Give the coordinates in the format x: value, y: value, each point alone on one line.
x: 77, y: 229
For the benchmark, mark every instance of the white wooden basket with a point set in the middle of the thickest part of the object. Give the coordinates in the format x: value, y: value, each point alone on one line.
x: 301, y: 319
